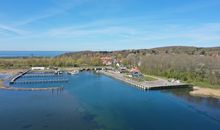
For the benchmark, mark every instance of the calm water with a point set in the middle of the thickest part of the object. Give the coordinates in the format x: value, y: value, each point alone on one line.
x: 91, y: 101
x: 30, y: 53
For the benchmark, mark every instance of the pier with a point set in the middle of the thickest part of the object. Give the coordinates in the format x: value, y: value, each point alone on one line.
x: 12, y: 81
x: 40, y: 75
x: 34, y: 89
x: 41, y: 81
x: 29, y: 74
x: 145, y: 85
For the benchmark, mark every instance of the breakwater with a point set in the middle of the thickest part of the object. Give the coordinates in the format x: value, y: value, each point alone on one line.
x: 145, y: 85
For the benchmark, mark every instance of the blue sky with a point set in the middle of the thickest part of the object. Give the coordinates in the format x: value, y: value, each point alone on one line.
x: 73, y: 25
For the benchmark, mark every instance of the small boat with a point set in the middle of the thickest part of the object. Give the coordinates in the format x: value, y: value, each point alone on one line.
x: 74, y: 72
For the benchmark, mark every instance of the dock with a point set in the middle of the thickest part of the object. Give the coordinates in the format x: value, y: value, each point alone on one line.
x: 26, y: 74
x: 34, y: 89
x: 41, y: 81
x: 12, y: 81
x: 40, y: 75
x: 146, y: 85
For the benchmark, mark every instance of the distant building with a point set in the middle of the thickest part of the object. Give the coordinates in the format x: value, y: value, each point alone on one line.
x: 37, y: 68
x: 135, y: 72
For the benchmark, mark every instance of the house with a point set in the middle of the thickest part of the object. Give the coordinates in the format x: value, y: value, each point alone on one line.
x: 135, y: 72
x: 37, y: 68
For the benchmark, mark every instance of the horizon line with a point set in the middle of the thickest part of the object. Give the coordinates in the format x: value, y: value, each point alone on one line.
x: 107, y: 50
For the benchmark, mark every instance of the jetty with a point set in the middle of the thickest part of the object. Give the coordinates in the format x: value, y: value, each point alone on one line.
x: 146, y: 85
x: 12, y: 81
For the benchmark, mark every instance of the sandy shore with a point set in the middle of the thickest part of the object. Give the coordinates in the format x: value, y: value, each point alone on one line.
x: 1, y: 84
x: 10, y: 71
x: 205, y: 92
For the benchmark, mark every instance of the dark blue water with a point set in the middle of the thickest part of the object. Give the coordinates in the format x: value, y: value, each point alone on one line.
x: 30, y: 53
x: 97, y: 102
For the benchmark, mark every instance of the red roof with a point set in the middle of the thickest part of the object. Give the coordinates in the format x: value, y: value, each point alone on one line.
x: 135, y: 69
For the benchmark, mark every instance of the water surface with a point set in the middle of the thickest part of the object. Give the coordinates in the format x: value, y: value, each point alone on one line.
x: 91, y: 101
x: 30, y: 53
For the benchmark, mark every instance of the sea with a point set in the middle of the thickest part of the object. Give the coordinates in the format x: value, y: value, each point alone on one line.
x: 4, y: 54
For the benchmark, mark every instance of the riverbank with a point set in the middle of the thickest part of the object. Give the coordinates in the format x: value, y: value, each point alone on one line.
x: 205, y: 92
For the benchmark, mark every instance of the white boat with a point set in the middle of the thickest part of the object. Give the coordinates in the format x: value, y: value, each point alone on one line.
x: 74, y: 72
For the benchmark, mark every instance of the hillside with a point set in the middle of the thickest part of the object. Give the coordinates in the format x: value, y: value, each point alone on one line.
x: 213, y: 51
x: 200, y: 66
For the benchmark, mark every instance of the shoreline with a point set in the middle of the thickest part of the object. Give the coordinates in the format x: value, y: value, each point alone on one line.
x: 146, y: 85
x: 11, y: 71
x: 197, y: 91
x: 1, y: 84
x: 205, y: 92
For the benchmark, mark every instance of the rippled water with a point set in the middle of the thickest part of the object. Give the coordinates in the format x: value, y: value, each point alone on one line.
x: 91, y: 101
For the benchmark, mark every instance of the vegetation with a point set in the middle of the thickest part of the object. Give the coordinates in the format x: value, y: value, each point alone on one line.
x: 200, y: 66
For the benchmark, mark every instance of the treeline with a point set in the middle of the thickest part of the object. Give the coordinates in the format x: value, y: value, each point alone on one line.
x: 57, y: 62
x: 195, y: 69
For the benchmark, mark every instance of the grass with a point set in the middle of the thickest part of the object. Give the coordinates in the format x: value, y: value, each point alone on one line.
x: 206, y: 85
x: 149, y: 78
x: 194, y: 83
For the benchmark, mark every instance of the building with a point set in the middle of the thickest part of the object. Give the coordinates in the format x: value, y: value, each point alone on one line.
x: 135, y: 72
x: 37, y: 68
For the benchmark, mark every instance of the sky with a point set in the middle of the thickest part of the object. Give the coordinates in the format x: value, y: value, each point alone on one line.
x: 75, y: 25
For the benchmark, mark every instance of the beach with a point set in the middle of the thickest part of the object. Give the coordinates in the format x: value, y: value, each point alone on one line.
x: 10, y: 71
x: 1, y: 84
x: 205, y: 92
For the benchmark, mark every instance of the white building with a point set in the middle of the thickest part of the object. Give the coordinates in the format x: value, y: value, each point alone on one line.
x: 37, y: 68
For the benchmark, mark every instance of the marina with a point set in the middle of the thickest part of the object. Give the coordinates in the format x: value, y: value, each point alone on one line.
x: 56, y: 78
x: 109, y: 65
x: 33, y: 77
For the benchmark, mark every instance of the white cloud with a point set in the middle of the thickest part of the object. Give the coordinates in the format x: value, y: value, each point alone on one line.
x: 11, y: 30
x: 60, y: 7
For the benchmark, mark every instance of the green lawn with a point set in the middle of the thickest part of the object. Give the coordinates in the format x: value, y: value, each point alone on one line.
x: 149, y: 78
